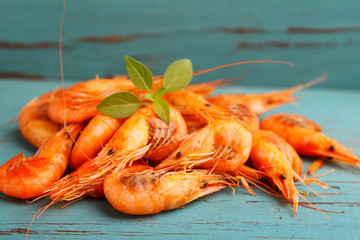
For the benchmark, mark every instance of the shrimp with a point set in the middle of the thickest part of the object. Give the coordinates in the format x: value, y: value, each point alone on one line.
x: 25, y: 178
x: 195, y: 107
x: 151, y: 192
x: 141, y: 132
x: 79, y: 102
x: 306, y: 138
x: 260, y: 103
x: 222, y: 145
x: 34, y: 124
x: 270, y: 159
x: 205, y: 89
x: 244, y: 112
x: 93, y: 137
x: 291, y: 155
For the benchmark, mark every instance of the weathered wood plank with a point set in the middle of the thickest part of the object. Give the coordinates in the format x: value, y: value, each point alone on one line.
x: 317, y: 36
x: 225, y: 215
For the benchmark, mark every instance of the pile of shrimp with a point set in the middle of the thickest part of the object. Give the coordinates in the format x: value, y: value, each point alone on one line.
x: 142, y: 165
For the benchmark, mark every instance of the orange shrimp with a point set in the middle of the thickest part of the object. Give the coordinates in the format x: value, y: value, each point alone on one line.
x: 34, y: 124
x: 80, y: 100
x: 291, y: 155
x: 222, y: 145
x: 306, y: 138
x: 270, y: 159
x: 93, y: 137
x: 244, y: 113
x: 137, y: 135
x: 205, y: 89
x: 151, y: 192
x: 25, y: 178
x: 195, y: 107
x: 260, y: 103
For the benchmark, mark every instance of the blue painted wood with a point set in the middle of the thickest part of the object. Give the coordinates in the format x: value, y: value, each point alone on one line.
x: 317, y: 36
x: 222, y: 215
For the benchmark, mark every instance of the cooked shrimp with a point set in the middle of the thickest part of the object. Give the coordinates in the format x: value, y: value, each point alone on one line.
x: 79, y: 102
x: 260, y: 103
x: 195, y: 107
x: 34, y: 124
x: 205, y: 89
x: 137, y: 135
x: 244, y: 113
x: 270, y: 159
x: 291, y: 155
x: 93, y: 137
x: 222, y: 145
x: 25, y: 178
x: 150, y: 192
x: 306, y: 138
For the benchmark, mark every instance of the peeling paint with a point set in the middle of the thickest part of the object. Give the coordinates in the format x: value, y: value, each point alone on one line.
x: 284, y: 45
x: 115, y: 38
x: 37, y: 45
x: 19, y: 75
x: 241, y: 30
x: 307, y: 30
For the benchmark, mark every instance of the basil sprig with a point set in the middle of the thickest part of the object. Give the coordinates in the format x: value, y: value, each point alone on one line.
x: 121, y: 105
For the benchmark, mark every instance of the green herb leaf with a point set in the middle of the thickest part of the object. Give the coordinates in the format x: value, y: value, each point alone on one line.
x: 160, y: 92
x: 139, y: 74
x: 148, y: 96
x: 120, y: 105
x: 162, y: 109
x: 178, y: 75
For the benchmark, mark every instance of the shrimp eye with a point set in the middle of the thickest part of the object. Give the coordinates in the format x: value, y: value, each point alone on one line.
x: 208, y: 105
x: 111, y: 152
x: 332, y: 148
x: 204, y: 184
x: 283, y: 176
x: 178, y: 154
x: 67, y: 134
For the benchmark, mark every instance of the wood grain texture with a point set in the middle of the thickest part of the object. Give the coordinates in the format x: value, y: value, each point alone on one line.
x: 222, y: 215
x: 317, y: 36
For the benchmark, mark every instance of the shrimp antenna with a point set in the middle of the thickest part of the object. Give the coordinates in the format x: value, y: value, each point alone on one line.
x: 312, y: 205
x: 42, y: 210
x: 198, y: 72
x: 61, y: 63
x: 238, y: 63
x: 303, y: 182
x: 237, y: 79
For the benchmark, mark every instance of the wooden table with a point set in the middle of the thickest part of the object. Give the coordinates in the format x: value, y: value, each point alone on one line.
x: 221, y: 215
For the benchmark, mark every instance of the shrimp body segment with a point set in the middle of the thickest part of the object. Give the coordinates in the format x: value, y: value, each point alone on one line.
x: 150, y: 192
x: 260, y: 103
x: 78, y: 103
x: 222, y: 145
x: 30, y: 177
x: 195, y: 107
x: 93, y: 137
x: 135, y: 137
x: 268, y: 158
x: 34, y: 124
x: 244, y: 112
x: 306, y: 138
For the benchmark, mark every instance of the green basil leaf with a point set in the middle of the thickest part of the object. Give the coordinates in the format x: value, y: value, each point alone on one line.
x: 120, y: 105
x: 139, y: 74
x: 178, y: 75
x: 148, y: 96
x: 160, y: 92
x: 162, y: 109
